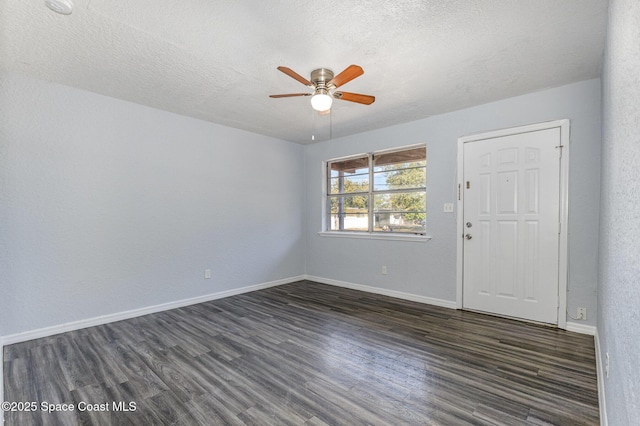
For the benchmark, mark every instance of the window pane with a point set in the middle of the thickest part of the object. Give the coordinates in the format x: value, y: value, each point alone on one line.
x: 348, y: 176
x: 400, y: 169
x: 349, y: 203
x: 349, y: 183
x: 401, y: 202
x: 399, y: 222
x: 350, y: 222
x: 400, y: 158
x: 400, y: 212
x: 413, y: 175
x: 349, y: 172
x: 352, y: 165
x: 349, y: 213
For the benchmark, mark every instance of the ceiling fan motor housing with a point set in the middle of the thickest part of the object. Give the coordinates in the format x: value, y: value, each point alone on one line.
x: 320, y: 78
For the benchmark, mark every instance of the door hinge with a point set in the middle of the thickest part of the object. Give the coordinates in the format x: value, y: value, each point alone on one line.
x: 458, y: 192
x: 559, y: 227
x: 559, y: 148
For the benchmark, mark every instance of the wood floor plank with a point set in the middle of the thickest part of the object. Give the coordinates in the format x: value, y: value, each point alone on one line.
x: 308, y: 354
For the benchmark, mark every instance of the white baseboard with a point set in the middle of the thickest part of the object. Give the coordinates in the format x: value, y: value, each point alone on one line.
x: 593, y: 331
x: 105, y: 319
x: 601, y: 378
x: 581, y: 328
x: 386, y: 292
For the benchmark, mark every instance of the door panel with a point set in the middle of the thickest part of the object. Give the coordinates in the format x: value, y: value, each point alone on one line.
x: 511, y: 216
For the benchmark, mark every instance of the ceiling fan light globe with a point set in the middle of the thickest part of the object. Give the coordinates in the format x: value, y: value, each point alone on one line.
x: 321, y: 102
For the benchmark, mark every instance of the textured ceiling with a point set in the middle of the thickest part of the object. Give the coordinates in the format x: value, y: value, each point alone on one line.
x: 216, y: 60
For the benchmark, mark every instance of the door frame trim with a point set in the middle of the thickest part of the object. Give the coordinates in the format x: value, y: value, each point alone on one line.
x: 563, y: 253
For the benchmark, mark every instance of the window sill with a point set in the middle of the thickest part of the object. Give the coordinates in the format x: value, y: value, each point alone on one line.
x: 376, y: 236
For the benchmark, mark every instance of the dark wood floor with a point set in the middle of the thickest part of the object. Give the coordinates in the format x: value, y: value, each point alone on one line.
x: 308, y: 354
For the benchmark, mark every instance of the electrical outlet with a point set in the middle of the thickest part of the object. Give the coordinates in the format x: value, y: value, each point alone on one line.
x: 384, y: 270
x: 207, y: 273
x: 582, y: 314
x: 448, y: 207
x: 606, y: 365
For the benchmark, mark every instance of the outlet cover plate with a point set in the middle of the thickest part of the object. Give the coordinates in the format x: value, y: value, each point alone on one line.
x: 582, y: 314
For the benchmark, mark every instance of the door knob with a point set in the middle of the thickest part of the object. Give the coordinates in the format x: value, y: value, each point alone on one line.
x: 468, y: 236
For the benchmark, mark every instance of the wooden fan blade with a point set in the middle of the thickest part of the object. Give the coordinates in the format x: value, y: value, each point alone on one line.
x: 288, y: 95
x: 291, y: 73
x: 351, y: 72
x: 355, y: 97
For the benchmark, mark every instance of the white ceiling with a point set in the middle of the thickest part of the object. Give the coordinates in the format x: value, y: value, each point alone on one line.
x: 216, y: 60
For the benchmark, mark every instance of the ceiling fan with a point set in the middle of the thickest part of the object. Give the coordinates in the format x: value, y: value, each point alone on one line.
x: 324, y: 85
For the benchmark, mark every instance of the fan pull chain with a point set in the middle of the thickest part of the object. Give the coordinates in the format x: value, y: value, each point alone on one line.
x: 330, y: 125
x: 313, y: 125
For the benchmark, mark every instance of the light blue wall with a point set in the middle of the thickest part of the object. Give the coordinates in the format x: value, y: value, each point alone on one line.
x: 619, y: 286
x: 429, y: 269
x: 108, y: 206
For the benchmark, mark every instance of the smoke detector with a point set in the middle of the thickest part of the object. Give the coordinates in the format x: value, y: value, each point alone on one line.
x: 63, y: 7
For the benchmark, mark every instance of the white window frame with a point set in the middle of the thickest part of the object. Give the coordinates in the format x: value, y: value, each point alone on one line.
x: 370, y: 233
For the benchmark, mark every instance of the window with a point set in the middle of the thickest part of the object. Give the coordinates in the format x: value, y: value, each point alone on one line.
x: 378, y: 192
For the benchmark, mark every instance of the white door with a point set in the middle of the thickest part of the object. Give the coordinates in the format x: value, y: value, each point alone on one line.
x: 511, y: 218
